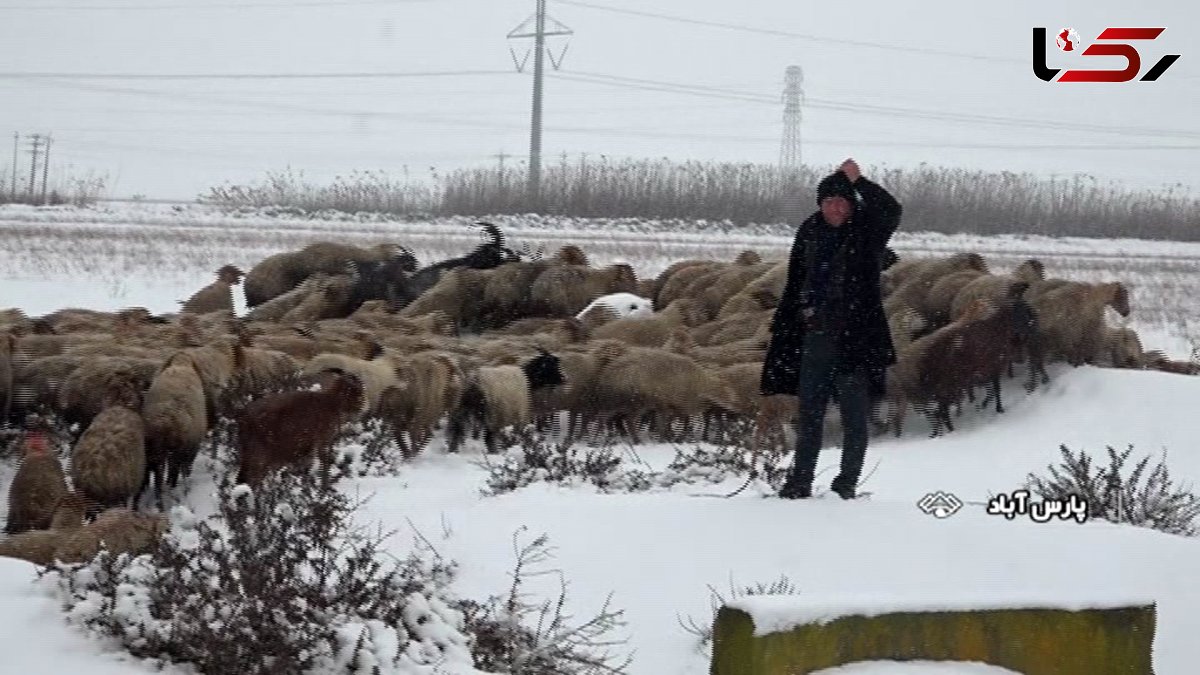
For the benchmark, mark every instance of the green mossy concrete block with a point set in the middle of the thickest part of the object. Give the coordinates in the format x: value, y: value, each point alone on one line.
x: 1036, y: 641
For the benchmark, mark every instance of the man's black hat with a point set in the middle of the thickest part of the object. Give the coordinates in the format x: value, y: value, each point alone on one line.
x: 836, y: 184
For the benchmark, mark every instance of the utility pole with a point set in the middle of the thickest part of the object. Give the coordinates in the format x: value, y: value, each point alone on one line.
x: 793, y: 94
x: 539, y: 34
x: 37, y: 142
x: 16, y: 150
x: 789, y: 147
x: 45, y: 168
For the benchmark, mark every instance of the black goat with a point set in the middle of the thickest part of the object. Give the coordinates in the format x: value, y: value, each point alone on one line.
x: 486, y: 256
x: 382, y: 280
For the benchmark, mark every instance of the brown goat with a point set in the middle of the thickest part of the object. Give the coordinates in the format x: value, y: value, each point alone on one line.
x: 974, y: 351
x: 290, y: 427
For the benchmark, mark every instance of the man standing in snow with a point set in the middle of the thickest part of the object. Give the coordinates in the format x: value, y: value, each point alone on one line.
x: 829, y: 332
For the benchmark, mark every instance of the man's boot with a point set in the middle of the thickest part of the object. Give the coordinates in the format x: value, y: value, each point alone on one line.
x: 796, y: 487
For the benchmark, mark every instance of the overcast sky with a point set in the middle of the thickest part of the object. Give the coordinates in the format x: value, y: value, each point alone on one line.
x: 889, y: 83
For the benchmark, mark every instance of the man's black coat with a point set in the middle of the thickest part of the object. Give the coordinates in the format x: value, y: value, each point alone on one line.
x: 866, y: 339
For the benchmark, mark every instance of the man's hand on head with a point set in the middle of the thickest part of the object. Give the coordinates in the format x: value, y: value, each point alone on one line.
x: 850, y: 168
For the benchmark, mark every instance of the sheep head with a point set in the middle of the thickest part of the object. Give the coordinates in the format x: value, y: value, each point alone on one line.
x: 1031, y: 270
x: 571, y: 255
x: 1117, y: 297
x: 968, y: 261
x: 544, y: 370
x: 622, y: 279
x: 747, y: 258
x: 230, y: 274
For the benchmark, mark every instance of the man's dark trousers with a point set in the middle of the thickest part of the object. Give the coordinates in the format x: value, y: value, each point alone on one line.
x: 820, y: 378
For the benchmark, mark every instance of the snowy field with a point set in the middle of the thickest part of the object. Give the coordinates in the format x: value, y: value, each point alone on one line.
x: 658, y: 552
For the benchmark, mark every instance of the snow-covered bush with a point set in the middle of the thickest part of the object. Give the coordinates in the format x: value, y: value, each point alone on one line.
x: 277, y: 581
x: 505, y: 642
x: 533, y: 458
x: 1119, y: 498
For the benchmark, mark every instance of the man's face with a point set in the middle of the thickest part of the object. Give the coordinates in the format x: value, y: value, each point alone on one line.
x: 836, y: 210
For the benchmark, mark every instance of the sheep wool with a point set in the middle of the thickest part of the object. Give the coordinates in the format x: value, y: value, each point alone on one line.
x: 108, y: 464
x: 176, y: 420
x: 36, y: 488
x: 506, y: 391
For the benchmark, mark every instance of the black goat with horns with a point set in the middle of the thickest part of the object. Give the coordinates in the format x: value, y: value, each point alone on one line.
x: 399, y: 282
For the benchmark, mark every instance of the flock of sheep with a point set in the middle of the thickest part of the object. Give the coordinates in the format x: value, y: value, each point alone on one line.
x: 481, y: 343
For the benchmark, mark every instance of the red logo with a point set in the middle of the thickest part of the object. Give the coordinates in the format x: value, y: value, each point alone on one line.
x: 1068, y: 40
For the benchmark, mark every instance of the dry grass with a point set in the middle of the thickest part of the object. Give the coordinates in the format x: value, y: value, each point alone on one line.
x: 937, y: 199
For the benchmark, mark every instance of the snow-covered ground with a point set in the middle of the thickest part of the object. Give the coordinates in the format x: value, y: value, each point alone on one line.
x: 657, y: 553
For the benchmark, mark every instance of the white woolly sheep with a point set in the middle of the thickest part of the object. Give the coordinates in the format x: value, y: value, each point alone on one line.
x: 497, y: 397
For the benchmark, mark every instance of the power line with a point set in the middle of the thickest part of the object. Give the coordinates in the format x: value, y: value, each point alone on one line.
x: 666, y: 87
x: 247, y: 76
x: 220, y: 5
x: 926, y: 51
x: 891, y: 111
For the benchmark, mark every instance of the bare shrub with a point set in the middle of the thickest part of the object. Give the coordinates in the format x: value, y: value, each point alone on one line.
x: 532, y: 457
x: 704, y: 632
x: 515, y: 635
x: 1117, y: 497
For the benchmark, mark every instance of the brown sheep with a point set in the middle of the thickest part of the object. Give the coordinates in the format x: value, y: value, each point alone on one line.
x: 458, y: 293
x: 566, y: 290
x: 654, y: 330
x: 903, y: 377
x: 557, y: 330
x: 434, y: 383
x: 1071, y: 318
x: 995, y: 287
x: 671, y: 270
x: 732, y: 328
x: 176, y: 421
x: 571, y: 254
x: 727, y: 284
x: 216, y: 296
x: 761, y: 293
x: 108, y: 463
x: 116, y: 530
x: 270, y: 278
x: 1121, y: 348
x: 36, y: 488
x: 219, y: 365
x: 81, y: 397
x: 282, y: 272
x: 936, y: 304
x: 8, y: 347
x: 637, y: 382
x: 678, y: 277
x: 39, y: 546
x: 37, y: 382
x: 966, y: 354
x: 920, y: 278
x: 290, y: 427
x: 328, y: 299
x: 278, y: 306
x: 264, y: 370
x: 506, y: 291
